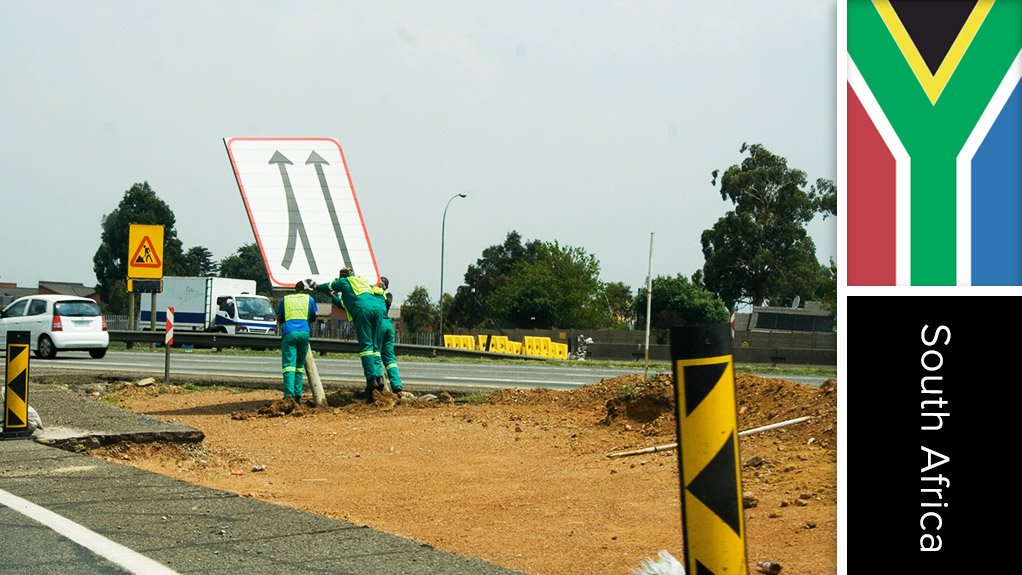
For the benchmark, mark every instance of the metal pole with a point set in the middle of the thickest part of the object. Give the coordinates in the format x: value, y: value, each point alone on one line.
x: 649, y: 302
x: 168, y: 342
x: 318, y: 395
x: 131, y: 316
x: 443, y: 231
x: 747, y: 432
x: 152, y: 318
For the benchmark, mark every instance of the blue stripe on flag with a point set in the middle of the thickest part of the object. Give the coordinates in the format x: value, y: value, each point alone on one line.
x: 997, y: 200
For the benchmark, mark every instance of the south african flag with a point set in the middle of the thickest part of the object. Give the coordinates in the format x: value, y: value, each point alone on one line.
x: 934, y: 123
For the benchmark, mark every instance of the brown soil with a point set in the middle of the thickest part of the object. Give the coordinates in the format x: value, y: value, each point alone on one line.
x: 521, y: 478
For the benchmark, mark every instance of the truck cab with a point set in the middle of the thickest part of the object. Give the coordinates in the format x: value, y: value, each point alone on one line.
x: 213, y: 304
x: 244, y: 313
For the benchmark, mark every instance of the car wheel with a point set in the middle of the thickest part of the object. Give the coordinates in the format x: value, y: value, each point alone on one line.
x: 97, y: 353
x: 46, y: 349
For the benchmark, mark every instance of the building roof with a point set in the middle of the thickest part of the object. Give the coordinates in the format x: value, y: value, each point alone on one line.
x: 10, y: 292
x: 67, y: 288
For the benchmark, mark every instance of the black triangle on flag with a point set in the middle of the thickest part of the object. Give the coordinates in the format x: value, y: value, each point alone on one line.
x: 714, y: 486
x: 699, y: 381
x: 933, y: 25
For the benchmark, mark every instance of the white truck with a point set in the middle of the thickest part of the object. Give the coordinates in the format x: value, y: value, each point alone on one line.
x: 213, y: 304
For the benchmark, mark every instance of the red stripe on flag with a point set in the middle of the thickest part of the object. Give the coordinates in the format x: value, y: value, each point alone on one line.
x: 871, y: 220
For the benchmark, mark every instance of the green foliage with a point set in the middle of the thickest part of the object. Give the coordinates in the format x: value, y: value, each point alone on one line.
x: 200, y: 262
x: 139, y: 205
x: 535, y: 285
x: 826, y: 288
x: 418, y: 313
x: 247, y: 263
x: 760, y: 251
x: 620, y: 303
x: 483, y: 278
x: 472, y: 398
x: 677, y: 301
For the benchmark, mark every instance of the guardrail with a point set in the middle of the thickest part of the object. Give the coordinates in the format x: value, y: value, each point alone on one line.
x: 219, y: 341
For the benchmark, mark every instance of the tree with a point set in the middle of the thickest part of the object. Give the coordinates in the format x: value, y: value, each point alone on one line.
x: 201, y: 263
x: 677, y: 301
x: 139, y: 205
x: 560, y: 288
x: 535, y: 285
x: 483, y: 278
x: 418, y: 313
x: 620, y: 303
x: 247, y: 263
x: 826, y: 289
x: 760, y: 251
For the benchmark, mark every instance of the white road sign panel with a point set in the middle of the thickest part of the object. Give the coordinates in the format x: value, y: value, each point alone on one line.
x: 303, y: 208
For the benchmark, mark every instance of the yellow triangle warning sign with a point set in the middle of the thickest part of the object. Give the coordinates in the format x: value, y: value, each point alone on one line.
x: 146, y: 255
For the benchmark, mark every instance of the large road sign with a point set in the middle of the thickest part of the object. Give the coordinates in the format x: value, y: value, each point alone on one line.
x: 302, y: 207
x: 145, y: 251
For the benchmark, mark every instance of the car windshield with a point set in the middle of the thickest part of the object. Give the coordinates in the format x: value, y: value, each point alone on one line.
x: 256, y: 308
x: 76, y: 309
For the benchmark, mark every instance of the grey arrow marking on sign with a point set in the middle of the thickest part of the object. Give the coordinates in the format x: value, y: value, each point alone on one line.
x: 296, y: 229
x: 316, y: 159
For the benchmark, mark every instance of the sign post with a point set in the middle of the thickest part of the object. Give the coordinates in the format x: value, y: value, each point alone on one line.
x: 168, y: 342
x: 16, y: 382
x: 318, y: 396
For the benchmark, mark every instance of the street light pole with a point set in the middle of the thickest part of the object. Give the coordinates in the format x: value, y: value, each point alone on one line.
x: 443, y: 231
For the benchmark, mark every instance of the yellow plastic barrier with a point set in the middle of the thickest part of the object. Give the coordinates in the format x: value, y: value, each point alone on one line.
x: 482, y: 342
x: 544, y: 347
x: 559, y: 350
x: 498, y: 344
x: 514, y: 347
x: 529, y: 345
x: 468, y: 342
x: 448, y: 340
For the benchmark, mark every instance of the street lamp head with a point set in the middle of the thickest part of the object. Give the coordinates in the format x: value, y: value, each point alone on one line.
x: 462, y: 195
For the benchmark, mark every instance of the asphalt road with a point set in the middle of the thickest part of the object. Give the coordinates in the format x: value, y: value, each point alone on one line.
x: 338, y: 371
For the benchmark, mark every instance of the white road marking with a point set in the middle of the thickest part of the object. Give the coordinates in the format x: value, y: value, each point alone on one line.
x: 94, y: 542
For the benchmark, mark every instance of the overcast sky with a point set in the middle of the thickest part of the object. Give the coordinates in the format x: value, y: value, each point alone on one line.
x: 590, y: 123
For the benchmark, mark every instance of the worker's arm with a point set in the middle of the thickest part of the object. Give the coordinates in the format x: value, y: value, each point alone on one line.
x: 337, y: 301
x: 313, y: 310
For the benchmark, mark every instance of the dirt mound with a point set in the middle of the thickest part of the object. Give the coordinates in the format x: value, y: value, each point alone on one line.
x: 633, y: 401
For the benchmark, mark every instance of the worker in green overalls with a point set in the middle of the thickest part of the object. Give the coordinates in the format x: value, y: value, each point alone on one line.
x: 365, y: 307
x: 295, y: 312
x: 385, y: 353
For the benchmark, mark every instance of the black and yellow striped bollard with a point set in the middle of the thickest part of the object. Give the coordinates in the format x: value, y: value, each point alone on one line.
x: 16, y: 382
x: 713, y: 527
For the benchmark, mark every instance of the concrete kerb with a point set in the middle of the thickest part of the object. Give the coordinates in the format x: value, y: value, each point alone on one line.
x: 74, y: 422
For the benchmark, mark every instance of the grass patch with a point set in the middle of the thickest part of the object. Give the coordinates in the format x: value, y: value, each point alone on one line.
x: 472, y: 398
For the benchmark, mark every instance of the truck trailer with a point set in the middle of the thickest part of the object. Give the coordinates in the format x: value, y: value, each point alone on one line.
x: 213, y: 304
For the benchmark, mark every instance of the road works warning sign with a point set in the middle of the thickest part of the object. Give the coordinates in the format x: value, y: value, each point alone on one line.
x: 145, y: 251
x: 303, y: 209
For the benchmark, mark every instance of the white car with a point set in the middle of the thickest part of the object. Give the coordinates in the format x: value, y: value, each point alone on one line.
x: 57, y: 323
